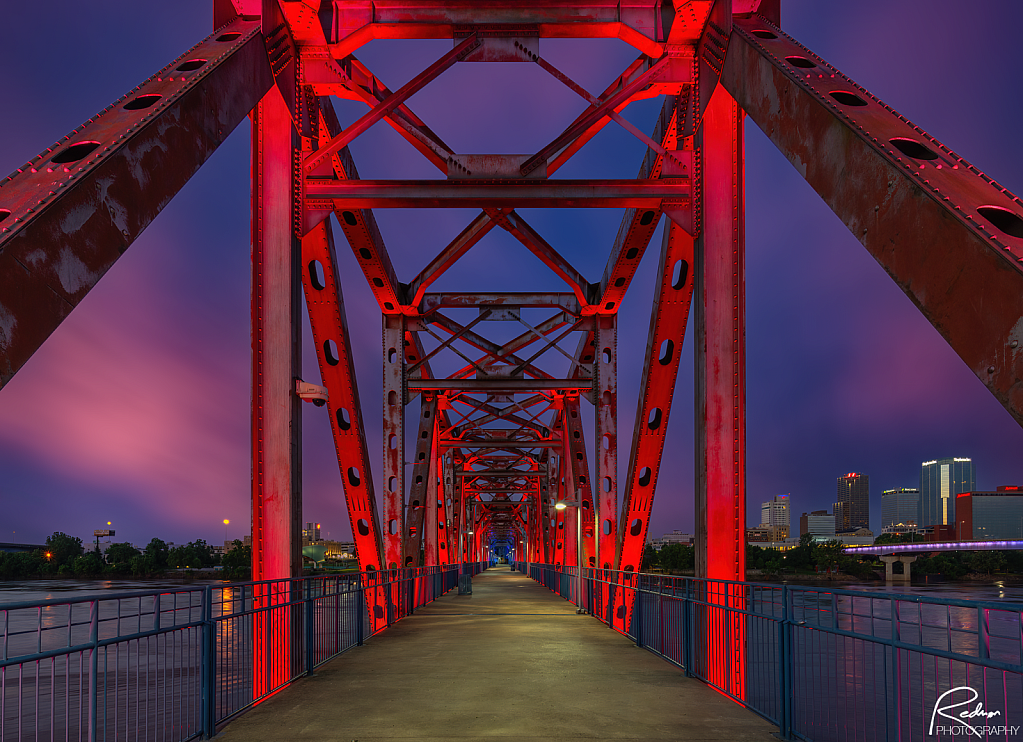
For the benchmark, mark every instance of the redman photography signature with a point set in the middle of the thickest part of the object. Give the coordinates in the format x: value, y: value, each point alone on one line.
x: 965, y: 717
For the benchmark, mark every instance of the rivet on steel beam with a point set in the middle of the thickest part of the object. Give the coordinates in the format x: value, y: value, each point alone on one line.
x: 990, y: 369
x: 1014, y: 343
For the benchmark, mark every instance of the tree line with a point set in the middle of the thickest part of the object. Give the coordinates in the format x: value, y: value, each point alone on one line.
x: 811, y: 557
x: 65, y: 556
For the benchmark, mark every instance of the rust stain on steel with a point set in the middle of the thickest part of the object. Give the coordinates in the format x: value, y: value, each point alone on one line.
x: 895, y: 187
x: 54, y: 248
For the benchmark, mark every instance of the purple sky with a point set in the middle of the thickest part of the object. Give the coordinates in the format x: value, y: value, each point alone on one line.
x: 136, y: 410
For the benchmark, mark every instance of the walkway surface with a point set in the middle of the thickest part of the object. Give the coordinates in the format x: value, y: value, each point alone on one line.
x: 512, y: 661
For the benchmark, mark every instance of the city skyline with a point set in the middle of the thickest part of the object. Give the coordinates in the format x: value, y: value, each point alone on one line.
x: 136, y: 410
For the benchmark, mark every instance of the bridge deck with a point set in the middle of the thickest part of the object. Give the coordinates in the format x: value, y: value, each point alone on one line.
x: 511, y: 661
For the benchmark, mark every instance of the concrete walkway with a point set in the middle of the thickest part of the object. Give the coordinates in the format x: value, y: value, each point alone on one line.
x: 511, y: 662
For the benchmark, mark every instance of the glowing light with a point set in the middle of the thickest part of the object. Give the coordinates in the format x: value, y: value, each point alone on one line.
x: 227, y: 522
x: 108, y: 523
x: 924, y: 546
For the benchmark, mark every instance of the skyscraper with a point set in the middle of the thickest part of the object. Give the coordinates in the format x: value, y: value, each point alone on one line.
x: 852, y: 508
x: 900, y: 507
x: 775, y: 514
x: 940, y: 481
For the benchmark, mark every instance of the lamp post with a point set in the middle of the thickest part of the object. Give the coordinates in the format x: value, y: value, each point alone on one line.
x: 578, y: 548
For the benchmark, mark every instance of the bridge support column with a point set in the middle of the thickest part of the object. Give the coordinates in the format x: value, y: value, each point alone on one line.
x: 889, y: 572
x: 276, y: 347
x: 720, y: 298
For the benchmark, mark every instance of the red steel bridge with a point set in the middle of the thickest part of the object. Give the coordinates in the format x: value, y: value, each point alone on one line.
x: 500, y: 380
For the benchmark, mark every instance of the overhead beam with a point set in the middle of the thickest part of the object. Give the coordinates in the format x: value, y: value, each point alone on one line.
x: 68, y: 214
x: 949, y: 236
x: 562, y: 194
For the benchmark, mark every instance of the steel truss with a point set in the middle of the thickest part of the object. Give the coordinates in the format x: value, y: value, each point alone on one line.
x: 500, y: 438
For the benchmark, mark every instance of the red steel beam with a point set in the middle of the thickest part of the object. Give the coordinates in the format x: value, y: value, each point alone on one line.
x: 360, y: 226
x: 69, y: 213
x: 394, y: 395
x: 670, y: 312
x: 497, y: 194
x: 276, y: 347
x: 520, y: 229
x: 578, y: 466
x: 422, y: 470
x: 719, y: 257
x: 386, y: 106
x: 566, y: 154
x: 328, y: 77
x: 897, y: 190
x: 337, y: 372
x: 603, y: 109
x: 469, y: 236
x: 605, y: 394
x: 720, y: 347
x: 638, y: 225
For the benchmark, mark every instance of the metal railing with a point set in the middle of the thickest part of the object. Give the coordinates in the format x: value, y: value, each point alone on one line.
x: 175, y: 664
x: 825, y: 664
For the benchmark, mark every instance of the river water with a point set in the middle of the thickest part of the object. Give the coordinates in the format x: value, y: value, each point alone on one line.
x: 37, y: 590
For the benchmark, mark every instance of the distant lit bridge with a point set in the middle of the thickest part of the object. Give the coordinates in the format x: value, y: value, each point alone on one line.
x: 923, y: 547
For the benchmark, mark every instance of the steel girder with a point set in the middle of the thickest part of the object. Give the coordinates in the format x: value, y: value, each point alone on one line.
x: 70, y: 212
x: 276, y: 346
x: 895, y: 187
x: 668, y: 318
x: 337, y: 372
x: 720, y: 341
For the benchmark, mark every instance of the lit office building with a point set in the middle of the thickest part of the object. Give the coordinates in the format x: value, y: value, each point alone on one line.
x: 819, y: 523
x: 940, y: 481
x: 990, y: 516
x: 900, y: 507
x: 852, y: 508
x: 775, y: 514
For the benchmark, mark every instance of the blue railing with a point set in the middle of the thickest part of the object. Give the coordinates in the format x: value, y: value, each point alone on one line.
x: 825, y: 664
x: 175, y: 664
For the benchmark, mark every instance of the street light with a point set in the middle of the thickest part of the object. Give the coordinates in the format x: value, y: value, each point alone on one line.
x: 578, y: 547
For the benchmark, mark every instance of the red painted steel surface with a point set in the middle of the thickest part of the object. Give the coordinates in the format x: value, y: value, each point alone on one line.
x: 69, y: 213
x: 720, y: 347
x: 276, y: 357
x: 721, y: 382
x: 337, y: 372
x: 276, y: 363
x: 896, y: 187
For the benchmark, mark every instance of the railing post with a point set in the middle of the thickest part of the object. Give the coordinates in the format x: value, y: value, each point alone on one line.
x: 93, y: 669
x: 687, y: 629
x: 360, y: 610
x: 785, y: 668
x: 637, y: 610
x: 207, y: 707
x: 309, y: 605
